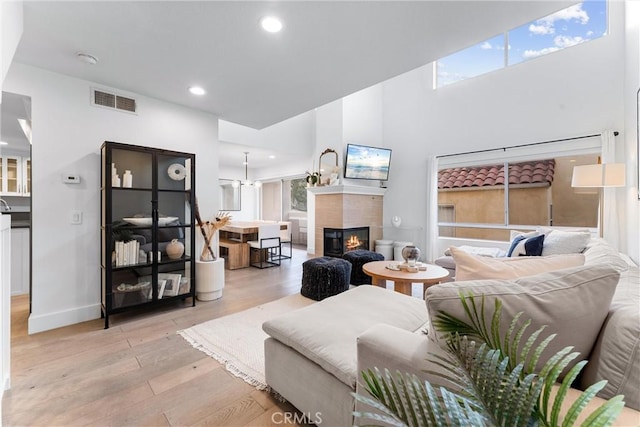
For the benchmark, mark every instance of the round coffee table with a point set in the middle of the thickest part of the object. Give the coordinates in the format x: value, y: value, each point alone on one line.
x: 403, y: 279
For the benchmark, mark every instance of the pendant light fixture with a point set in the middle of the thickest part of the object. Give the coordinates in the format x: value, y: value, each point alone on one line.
x: 247, y: 182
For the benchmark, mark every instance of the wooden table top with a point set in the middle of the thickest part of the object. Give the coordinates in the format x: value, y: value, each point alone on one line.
x: 379, y: 270
x: 245, y: 227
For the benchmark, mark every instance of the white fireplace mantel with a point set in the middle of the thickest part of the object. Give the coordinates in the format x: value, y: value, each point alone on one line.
x: 347, y: 189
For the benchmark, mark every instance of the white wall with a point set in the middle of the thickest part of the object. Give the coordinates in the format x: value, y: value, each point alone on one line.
x: 11, y: 24
x: 67, y: 134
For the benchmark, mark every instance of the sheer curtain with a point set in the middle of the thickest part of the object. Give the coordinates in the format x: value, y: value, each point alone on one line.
x: 432, y: 209
x: 611, y: 218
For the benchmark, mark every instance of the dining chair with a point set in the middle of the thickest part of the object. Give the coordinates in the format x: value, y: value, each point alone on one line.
x: 285, y: 238
x: 265, y: 252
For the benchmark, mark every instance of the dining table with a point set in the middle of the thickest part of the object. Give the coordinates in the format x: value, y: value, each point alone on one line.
x: 234, y: 236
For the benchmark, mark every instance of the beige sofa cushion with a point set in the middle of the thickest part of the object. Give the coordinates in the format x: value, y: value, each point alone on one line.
x: 572, y: 302
x: 473, y: 267
x: 327, y: 332
x: 616, y: 355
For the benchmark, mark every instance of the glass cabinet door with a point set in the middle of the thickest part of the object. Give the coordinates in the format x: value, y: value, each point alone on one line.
x: 174, y: 222
x: 26, y: 177
x: 13, y: 172
x: 131, y: 227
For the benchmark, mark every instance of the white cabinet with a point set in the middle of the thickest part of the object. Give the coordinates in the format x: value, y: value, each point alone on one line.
x: 19, y: 261
x: 15, y: 176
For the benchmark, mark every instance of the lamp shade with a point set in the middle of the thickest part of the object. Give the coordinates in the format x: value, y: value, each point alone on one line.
x: 600, y: 175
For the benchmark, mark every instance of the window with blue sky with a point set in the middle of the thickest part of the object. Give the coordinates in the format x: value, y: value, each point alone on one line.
x: 566, y: 28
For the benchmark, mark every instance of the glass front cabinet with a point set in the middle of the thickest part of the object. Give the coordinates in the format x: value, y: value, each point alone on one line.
x: 147, y: 227
x: 15, y: 176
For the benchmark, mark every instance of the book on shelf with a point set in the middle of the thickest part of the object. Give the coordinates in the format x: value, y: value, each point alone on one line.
x: 127, y: 253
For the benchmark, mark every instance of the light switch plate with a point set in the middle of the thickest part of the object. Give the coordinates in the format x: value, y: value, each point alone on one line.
x: 75, y: 217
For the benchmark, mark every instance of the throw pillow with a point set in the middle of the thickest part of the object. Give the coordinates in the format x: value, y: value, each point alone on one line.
x: 573, y: 303
x: 472, y: 267
x: 526, y: 246
x: 565, y: 242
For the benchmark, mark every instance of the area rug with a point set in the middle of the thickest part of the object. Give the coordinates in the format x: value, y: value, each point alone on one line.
x: 237, y: 340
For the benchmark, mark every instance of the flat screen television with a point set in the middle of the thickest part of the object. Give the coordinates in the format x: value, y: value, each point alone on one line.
x: 364, y: 162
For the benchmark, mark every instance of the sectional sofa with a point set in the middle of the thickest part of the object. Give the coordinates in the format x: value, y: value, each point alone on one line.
x: 314, y: 355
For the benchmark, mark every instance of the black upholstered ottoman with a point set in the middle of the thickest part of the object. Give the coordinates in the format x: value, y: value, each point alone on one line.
x: 358, y: 258
x: 324, y: 277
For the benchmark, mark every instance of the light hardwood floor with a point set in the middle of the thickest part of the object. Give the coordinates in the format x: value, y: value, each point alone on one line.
x: 139, y: 372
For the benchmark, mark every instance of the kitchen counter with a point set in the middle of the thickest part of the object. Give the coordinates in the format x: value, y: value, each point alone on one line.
x: 19, y: 219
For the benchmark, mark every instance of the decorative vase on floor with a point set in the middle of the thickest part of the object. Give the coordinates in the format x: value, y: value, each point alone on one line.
x: 411, y: 254
x: 209, y: 279
x: 175, y: 249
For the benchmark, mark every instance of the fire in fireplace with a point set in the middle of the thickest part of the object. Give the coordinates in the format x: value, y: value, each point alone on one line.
x: 337, y: 241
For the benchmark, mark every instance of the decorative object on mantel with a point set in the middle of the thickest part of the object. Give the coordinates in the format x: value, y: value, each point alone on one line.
x: 411, y: 255
x: 312, y: 178
x: 330, y: 171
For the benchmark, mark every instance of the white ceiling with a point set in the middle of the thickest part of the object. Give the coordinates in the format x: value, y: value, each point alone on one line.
x: 327, y: 49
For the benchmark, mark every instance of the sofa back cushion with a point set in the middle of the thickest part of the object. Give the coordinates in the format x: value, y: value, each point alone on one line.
x: 573, y: 303
x: 616, y: 354
x: 472, y: 267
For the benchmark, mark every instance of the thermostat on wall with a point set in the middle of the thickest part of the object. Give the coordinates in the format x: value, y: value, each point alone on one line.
x: 71, y: 179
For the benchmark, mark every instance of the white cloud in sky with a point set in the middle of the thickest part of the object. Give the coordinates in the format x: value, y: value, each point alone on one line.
x: 535, y: 53
x: 560, y: 42
x: 567, y: 41
x: 542, y: 28
x: 573, y: 12
x: 486, y: 46
x: 546, y: 25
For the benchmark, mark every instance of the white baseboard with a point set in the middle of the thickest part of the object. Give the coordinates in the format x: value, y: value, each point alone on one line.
x: 58, y: 319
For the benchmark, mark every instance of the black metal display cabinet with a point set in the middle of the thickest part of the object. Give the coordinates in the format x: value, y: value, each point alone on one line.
x: 147, y: 227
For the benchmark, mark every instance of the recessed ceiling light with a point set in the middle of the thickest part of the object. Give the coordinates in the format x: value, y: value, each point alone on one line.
x: 4, y: 143
x: 197, y: 90
x: 272, y: 156
x: 86, y: 58
x: 271, y: 24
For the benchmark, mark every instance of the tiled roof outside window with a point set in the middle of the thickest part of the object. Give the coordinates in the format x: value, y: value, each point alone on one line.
x: 540, y: 171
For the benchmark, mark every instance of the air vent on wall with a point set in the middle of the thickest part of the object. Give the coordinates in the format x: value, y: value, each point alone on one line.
x: 110, y: 100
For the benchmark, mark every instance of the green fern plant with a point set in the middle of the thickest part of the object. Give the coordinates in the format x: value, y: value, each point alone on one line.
x: 492, y: 380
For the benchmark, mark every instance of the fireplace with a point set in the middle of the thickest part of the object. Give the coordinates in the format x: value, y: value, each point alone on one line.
x: 337, y: 241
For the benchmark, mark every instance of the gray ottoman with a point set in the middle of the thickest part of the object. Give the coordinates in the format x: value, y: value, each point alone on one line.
x: 324, y: 277
x: 358, y: 258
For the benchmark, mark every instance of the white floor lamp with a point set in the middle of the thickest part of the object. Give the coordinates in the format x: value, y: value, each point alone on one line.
x: 599, y: 176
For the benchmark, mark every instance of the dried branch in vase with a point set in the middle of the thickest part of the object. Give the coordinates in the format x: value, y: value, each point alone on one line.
x: 208, y: 229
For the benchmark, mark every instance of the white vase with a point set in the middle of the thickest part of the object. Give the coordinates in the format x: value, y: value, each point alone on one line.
x: 127, y: 179
x: 209, y: 279
x: 175, y: 249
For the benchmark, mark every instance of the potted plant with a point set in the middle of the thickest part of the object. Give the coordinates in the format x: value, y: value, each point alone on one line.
x: 492, y: 384
x: 312, y: 178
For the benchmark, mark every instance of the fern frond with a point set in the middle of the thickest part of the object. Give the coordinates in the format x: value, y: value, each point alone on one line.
x: 511, y: 350
x: 494, y: 378
x: 606, y: 414
x: 562, y: 390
